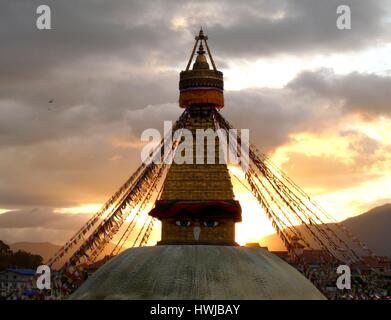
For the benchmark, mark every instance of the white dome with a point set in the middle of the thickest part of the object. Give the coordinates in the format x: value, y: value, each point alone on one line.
x: 197, y: 272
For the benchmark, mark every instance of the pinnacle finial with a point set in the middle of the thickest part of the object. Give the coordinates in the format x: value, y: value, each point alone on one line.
x: 201, y: 35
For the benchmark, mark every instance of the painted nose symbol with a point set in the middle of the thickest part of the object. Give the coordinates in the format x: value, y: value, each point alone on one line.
x: 196, y: 232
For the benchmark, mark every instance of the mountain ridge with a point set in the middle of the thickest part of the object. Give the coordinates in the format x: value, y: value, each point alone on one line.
x: 372, y: 228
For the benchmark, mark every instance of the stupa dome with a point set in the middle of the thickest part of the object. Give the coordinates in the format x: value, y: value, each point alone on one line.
x: 197, y: 272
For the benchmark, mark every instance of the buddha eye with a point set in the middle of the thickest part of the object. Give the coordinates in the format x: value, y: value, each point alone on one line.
x: 183, y: 223
x: 211, y: 223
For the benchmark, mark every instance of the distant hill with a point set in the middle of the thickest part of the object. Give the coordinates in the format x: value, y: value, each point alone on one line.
x: 372, y: 227
x: 44, y: 249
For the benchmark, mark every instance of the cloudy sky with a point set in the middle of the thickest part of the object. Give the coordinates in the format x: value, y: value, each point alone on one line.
x: 316, y: 99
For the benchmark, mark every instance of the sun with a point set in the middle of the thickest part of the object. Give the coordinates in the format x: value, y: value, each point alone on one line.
x: 255, y: 224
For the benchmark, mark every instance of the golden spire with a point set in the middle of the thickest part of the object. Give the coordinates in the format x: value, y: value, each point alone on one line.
x: 201, y: 84
x: 201, y: 38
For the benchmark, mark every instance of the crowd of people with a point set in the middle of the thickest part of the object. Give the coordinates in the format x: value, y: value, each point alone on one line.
x: 364, y: 285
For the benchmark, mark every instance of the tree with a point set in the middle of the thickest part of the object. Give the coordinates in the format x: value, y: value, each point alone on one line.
x: 4, y: 248
x: 23, y: 259
x: 5, y: 253
x: 19, y: 259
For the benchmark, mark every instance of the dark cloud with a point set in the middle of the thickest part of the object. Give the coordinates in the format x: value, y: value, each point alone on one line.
x: 139, y: 32
x: 41, y: 218
x: 366, y: 94
x: 298, y: 27
x: 103, y: 59
x: 82, y: 30
x: 39, y: 225
x: 273, y: 114
x: 79, y: 105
